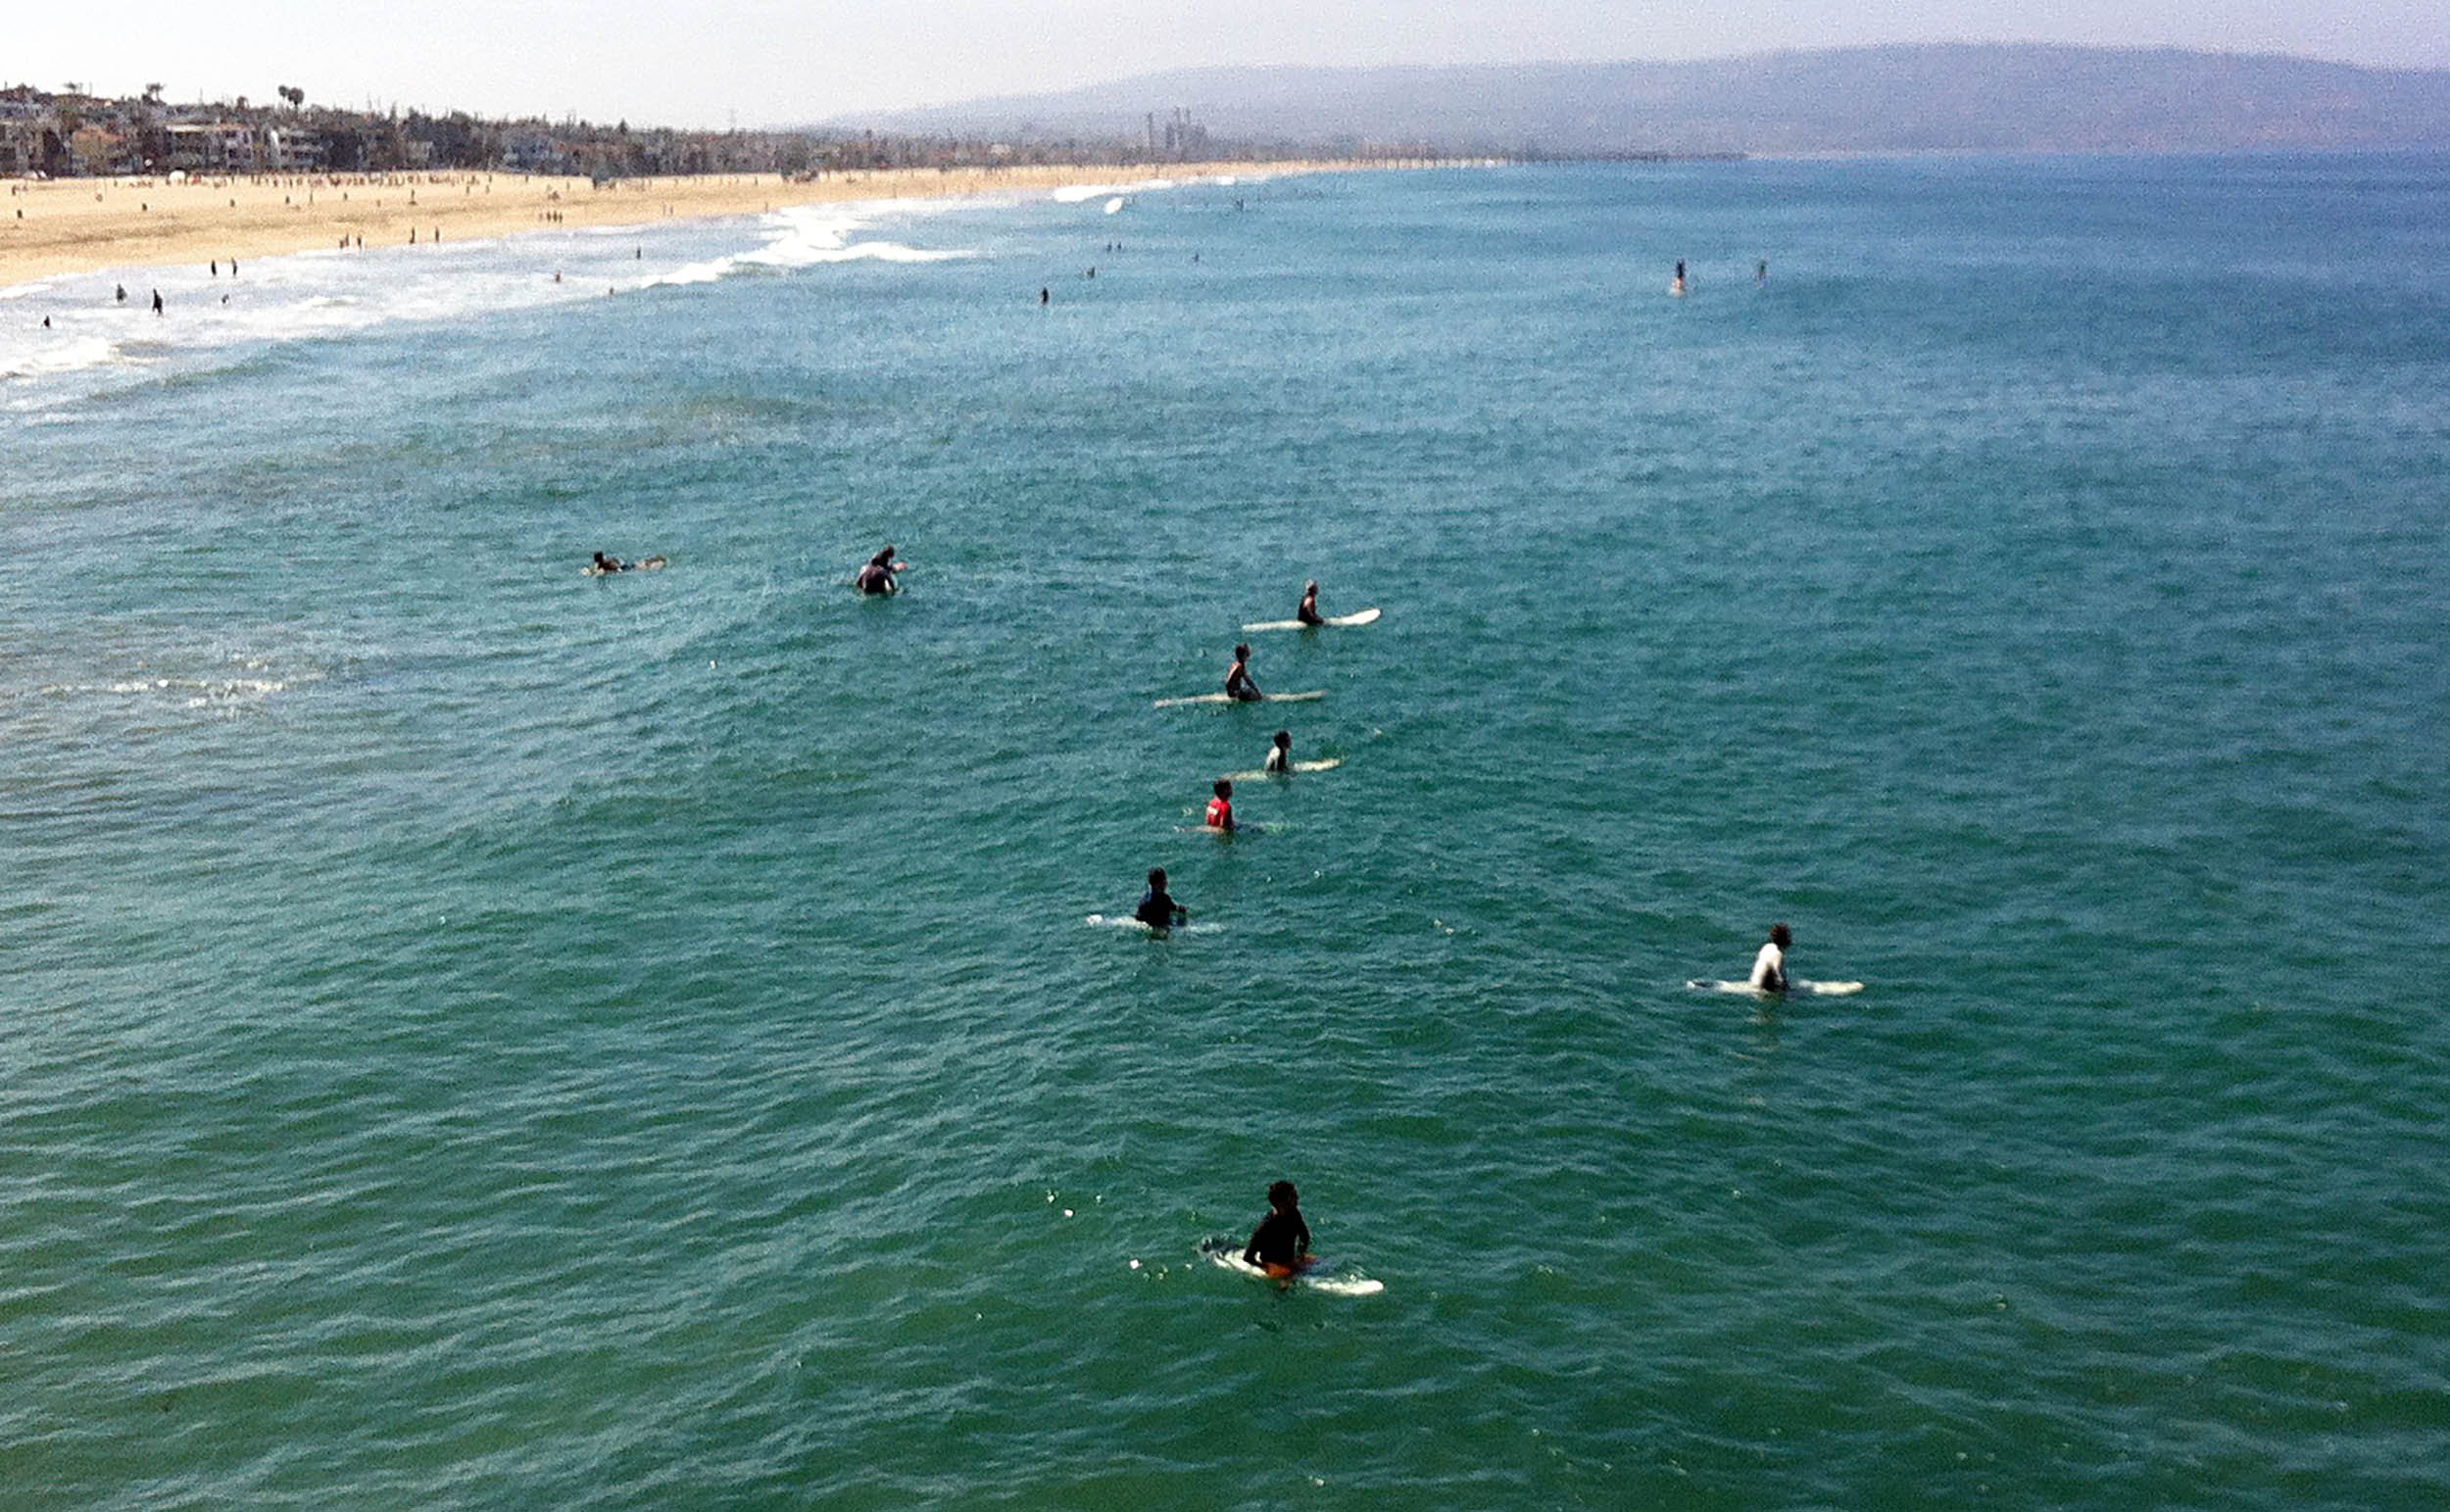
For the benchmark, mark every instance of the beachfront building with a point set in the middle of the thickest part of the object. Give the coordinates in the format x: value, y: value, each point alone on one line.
x: 211, y: 147
x: 95, y: 151
x: 290, y: 150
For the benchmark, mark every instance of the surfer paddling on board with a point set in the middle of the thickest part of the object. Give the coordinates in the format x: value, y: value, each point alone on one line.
x: 1157, y: 908
x: 877, y: 576
x: 1238, y: 684
x: 1769, y: 968
x: 1281, y: 1245
x: 1308, y: 612
x: 1221, y: 807
x: 605, y: 563
x: 1278, y: 763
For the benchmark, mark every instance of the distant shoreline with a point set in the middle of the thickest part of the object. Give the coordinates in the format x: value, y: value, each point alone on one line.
x: 51, y: 227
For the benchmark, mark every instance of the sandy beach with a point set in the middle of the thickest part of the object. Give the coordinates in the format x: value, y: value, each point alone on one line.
x: 72, y: 225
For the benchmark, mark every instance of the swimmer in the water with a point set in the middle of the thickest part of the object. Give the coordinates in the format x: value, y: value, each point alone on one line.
x: 1769, y: 968
x: 1279, y: 760
x: 1308, y: 612
x: 1281, y: 1245
x: 877, y: 575
x: 1238, y: 684
x: 1221, y: 807
x: 605, y: 563
x: 1157, y: 908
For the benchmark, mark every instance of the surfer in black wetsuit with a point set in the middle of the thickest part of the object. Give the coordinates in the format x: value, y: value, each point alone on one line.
x: 1308, y: 612
x: 605, y: 563
x: 1157, y: 908
x: 877, y: 575
x: 1238, y: 684
x: 1281, y: 1245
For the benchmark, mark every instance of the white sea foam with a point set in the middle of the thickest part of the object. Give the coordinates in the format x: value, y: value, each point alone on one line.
x: 333, y: 292
x: 330, y: 292
x: 65, y: 355
x: 813, y: 235
x: 1077, y: 194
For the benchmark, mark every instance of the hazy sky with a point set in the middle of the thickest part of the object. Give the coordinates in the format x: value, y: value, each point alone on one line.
x: 769, y: 62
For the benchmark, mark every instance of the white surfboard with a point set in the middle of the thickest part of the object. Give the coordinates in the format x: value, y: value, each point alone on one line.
x: 1328, y: 1277
x: 1328, y: 765
x: 1794, y: 986
x: 1218, y: 697
x: 1126, y: 921
x: 1367, y: 617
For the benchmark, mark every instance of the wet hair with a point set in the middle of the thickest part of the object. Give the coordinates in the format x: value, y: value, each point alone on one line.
x: 1224, y: 788
x: 1281, y: 1195
x: 1780, y: 937
x: 1156, y: 876
x: 1242, y: 652
x: 1311, y: 586
x: 1284, y: 736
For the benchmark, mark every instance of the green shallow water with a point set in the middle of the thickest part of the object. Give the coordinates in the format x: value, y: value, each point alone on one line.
x: 479, y: 1036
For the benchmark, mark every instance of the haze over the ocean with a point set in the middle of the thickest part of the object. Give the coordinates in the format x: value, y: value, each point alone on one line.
x: 760, y: 65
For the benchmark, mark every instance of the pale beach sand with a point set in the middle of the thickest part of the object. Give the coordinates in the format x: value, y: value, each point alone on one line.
x: 80, y: 225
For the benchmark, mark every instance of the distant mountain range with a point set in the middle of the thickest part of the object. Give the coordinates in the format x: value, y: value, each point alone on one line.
x: 1969, y: 97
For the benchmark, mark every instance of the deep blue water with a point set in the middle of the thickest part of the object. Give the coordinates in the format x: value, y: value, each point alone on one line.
x: 473, y: 1034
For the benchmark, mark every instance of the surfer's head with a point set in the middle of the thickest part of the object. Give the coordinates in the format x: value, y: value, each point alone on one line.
x: 1780, y: 936
x: 1311, y: 586
x: 1224, y: 788
x: 1156, y: 878
x: 1284, y: 739
x: 1242, y: 652
x: 1282, y: 1198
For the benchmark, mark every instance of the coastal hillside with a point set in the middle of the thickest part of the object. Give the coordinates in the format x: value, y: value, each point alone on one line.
x: 1989, y: 98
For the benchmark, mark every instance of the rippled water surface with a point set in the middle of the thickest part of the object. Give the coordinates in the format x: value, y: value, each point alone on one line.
x: 474, y: 1035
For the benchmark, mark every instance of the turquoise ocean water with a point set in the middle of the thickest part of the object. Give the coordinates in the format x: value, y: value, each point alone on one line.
x: 472, y: 1035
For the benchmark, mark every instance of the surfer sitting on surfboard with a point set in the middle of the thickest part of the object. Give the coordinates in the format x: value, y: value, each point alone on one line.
x: 1157, y: 908
x: 1769, y: 968
x: 1278, y: 763
x: 877, y: 575
x: 1238, y: 684
x: 1308, y: 613
x: 1281, y: 1245
x: 1221, y: 807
